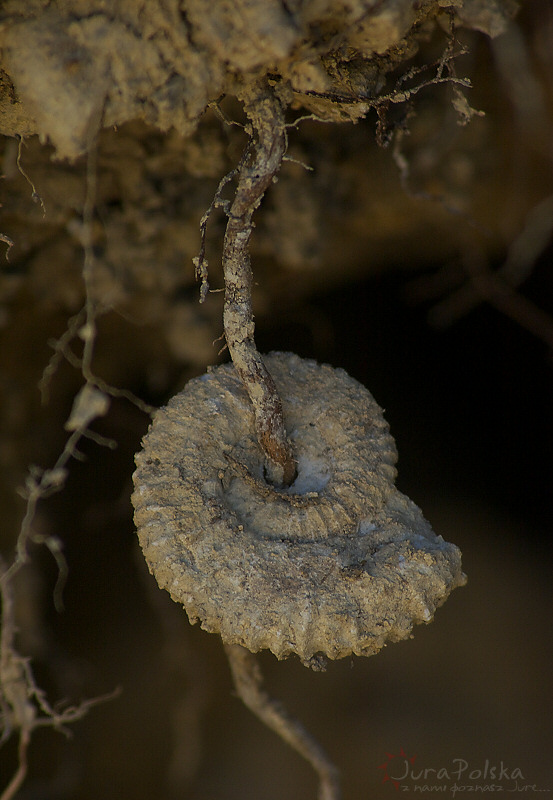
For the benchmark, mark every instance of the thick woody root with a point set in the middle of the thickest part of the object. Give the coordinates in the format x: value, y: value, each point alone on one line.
x: 249, y: 686
x: 266, y: 116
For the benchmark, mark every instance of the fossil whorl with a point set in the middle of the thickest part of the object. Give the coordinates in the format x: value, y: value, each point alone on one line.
x: 340, y: 563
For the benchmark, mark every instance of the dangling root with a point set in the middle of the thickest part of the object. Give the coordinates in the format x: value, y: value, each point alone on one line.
x: 256, y: 172
x: 249, y: 686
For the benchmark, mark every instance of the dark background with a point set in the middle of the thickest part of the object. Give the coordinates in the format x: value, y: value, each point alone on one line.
x: 470, y: 407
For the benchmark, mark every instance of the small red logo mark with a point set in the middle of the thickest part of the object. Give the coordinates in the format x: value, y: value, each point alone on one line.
x: 388, y: 767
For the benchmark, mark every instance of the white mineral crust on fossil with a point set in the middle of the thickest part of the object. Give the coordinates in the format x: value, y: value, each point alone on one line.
x: 339, y: 563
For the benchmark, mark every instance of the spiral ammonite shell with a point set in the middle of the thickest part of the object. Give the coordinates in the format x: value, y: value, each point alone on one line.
x: 339, y: 563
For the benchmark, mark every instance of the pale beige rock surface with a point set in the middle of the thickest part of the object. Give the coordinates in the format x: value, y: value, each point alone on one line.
x: 71, y: 67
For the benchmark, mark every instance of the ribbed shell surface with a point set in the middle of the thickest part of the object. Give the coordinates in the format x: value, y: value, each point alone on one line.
x: 340, y: 563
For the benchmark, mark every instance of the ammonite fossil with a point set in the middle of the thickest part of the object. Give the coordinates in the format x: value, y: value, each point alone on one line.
x: 340, y: 562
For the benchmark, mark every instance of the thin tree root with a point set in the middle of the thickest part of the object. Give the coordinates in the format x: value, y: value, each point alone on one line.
x: 248, y: 682
x: 256, y: 172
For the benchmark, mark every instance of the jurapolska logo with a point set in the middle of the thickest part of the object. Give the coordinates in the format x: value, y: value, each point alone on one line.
x: 387, y: 766
x: 457, y: 777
